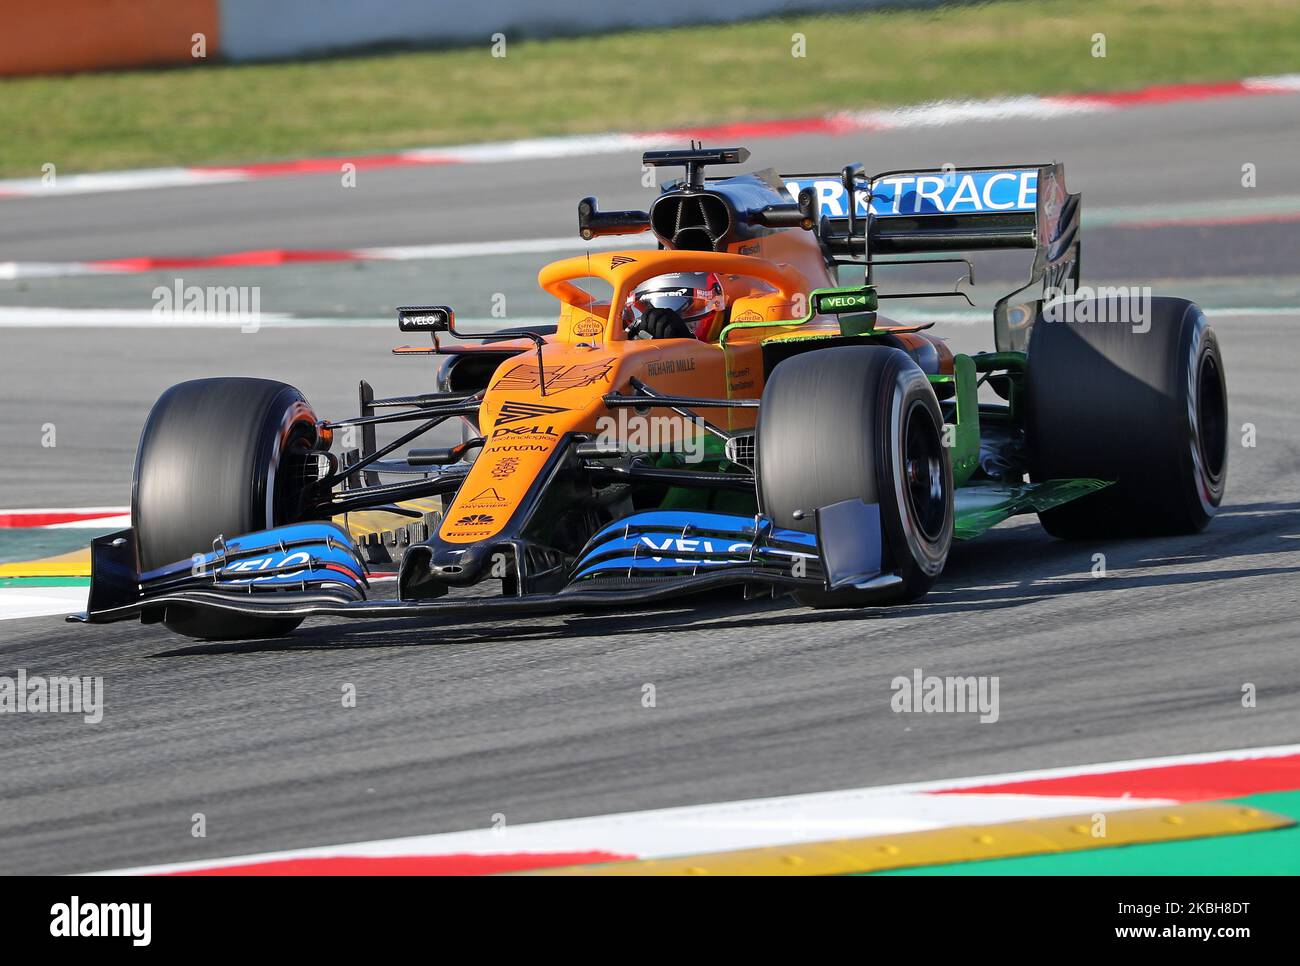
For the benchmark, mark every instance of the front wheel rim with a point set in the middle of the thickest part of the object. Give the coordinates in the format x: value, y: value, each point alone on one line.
x: 1211, y: 417
x: 923, y: 476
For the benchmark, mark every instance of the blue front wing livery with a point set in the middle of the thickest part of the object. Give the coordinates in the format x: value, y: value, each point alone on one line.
x: 677, y: 540
x: 297, y: 556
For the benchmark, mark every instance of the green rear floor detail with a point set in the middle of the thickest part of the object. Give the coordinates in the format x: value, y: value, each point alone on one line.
x: 981, y: 506
x: 1251, y: 853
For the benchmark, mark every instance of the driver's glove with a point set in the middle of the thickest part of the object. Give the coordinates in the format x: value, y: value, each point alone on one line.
x: 659, y: 324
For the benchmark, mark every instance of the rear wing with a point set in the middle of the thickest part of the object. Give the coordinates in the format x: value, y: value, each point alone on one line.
x: 947, y: 210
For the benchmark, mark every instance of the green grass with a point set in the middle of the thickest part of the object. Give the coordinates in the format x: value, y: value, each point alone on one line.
x: 627, y: 81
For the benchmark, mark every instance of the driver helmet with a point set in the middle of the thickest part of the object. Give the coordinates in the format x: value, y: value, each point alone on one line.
x: 696, y: 296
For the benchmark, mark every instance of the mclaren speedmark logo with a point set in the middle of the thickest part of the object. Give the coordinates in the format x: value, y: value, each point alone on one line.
x: 514, y: 412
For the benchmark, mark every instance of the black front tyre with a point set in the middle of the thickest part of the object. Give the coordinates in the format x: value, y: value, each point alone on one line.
x: 1140, y: 401
x: 859, y: 422
x: 220, y: 457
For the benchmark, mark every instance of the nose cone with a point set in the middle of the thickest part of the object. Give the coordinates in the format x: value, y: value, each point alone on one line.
x: 524, y: 427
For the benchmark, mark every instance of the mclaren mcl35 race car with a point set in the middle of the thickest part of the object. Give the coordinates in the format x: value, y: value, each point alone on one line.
x: 820, y: 448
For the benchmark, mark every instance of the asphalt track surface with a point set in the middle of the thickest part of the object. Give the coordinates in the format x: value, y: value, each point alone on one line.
x: 542, y: 718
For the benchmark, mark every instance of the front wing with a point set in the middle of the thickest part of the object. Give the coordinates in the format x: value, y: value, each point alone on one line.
x: 315, y: 570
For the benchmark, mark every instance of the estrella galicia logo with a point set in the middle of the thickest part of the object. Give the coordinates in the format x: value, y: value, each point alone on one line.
x: 475, y: 520
x: 513, y: 412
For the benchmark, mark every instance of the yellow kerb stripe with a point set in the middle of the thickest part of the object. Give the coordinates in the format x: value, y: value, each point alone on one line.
x: 959, y: 844
x: 73, y: 564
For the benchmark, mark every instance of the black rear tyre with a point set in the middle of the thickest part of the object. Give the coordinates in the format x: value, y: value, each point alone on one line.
x: 859, y: 422
x: 1144, y: 407
x: 220, y: 457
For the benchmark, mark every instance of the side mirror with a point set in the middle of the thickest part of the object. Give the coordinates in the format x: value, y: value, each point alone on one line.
x: 425, y: 318
x: 592, y: 221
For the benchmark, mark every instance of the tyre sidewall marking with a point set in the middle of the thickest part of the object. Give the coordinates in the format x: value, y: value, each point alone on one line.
x: 928, y: 558
x: 1208, y: 490
x: 298, y: 411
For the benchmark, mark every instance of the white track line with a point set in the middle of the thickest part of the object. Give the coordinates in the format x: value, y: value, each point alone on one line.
x: 76, y: 184
x: 759, y: 822
x: 17, y: 603
x: 946, y: 113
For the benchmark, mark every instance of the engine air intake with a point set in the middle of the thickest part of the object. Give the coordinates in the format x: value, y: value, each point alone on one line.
x: 692, y: 221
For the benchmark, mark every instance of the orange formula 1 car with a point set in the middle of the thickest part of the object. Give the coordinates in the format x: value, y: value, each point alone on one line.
x: 717, y: 414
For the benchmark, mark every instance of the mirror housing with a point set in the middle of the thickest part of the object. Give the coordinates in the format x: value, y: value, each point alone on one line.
x: 425, y: 318
x: 592, y: 221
